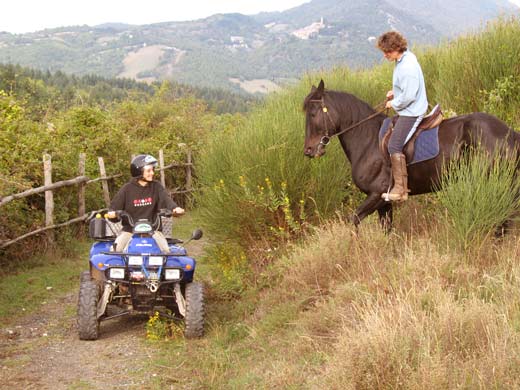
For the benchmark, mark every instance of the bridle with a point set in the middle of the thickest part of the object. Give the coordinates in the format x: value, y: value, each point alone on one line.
x: 325, y: 140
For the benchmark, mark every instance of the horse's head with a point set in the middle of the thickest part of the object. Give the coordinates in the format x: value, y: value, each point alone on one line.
x: 321, y: 121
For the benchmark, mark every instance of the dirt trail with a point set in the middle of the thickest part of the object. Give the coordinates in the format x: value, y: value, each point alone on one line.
x: 43, y: 351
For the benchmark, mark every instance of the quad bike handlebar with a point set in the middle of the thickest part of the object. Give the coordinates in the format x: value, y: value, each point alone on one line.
x: 162, y: 213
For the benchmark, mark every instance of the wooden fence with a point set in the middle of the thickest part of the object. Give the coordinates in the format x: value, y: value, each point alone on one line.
x: 82, y: 181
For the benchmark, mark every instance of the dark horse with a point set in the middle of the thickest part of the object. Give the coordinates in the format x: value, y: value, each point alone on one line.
x: 330, y: 112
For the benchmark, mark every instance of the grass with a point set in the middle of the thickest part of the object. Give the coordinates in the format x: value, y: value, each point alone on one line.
x: 365, y: 311
x: 479, y: 192
x: 362, y: 310
x: 247, y: 173
x: 468, y: 73
x: 183, y: 226
x: 49, y: 276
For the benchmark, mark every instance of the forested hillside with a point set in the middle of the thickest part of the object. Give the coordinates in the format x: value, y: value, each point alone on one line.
x: 257, y: 53
x: 45, y: 91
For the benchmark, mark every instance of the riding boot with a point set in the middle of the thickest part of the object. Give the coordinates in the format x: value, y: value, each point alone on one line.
x: 400, y: 190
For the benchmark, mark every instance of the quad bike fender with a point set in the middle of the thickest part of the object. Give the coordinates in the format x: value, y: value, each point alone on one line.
x: 102, y: 261
x: 178, y: 250
x: 100, y: 246
x: 186, y: 263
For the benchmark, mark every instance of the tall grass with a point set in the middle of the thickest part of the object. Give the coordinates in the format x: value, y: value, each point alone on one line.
x: 471, y: 73
x: 267, y: 150
x: 368, y: 311
x: 246, y: 173
x: 479, y: 192
x: 475, y: 72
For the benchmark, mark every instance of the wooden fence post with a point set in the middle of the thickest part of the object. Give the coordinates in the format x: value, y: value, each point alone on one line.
x: 161, y: 166
x: 188, y: 171
x: 81, y: 186
x: 49, y: 198
x: 104, y: 181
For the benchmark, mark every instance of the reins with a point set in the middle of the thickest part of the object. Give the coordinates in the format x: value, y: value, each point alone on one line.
x: 325, y: 140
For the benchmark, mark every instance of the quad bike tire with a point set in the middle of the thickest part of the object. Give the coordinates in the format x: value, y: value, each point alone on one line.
x: 194, y: 319
x: 88, y: 323
x: 85, y: 276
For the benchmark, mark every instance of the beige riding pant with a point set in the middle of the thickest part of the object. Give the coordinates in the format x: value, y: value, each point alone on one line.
x: 122, y: 241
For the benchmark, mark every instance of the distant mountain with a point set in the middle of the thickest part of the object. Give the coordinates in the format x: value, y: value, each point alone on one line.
x: 115, y: 26
x: 445, y: 17
x: 253, y: 53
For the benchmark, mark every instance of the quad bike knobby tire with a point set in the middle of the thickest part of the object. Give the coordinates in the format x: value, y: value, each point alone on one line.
x: 88, y: 323
x: 194, y: 319
x: 85, y: 276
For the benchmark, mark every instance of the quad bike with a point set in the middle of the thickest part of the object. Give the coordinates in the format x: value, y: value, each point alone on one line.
x: 139, y: 280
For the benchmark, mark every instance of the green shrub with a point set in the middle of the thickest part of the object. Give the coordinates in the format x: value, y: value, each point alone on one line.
x: 229, y: 268
x: 235, y: 197
x: 479, y: 193
x: 176, y: 125
x: 502, y: 97
x: 160, y: 328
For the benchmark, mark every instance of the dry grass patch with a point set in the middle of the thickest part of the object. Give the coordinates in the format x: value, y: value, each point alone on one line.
x: 374, y: 311
x: 406, y: 311
x: 396, y: 344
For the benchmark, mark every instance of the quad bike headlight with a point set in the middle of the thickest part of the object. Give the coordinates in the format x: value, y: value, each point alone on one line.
x: 172, y: 274
x: 117, y: 273
x: 155, y: 260
x: 135, y: 260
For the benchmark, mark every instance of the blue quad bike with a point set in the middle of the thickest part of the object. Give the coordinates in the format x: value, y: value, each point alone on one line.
x: 140, y: 280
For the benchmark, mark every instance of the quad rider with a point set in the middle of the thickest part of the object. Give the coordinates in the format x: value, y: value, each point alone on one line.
x: 142, y: 198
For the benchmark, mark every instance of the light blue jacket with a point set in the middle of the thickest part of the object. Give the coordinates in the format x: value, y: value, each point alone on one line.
x: 408, y: 87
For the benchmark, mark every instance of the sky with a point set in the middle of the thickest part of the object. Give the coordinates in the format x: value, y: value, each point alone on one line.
x: 18, y: 16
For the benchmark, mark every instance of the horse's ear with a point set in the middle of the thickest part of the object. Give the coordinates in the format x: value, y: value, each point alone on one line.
x: 320, y: 90
x: 313, y: 89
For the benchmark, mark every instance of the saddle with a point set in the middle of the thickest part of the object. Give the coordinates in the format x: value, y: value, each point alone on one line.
x: 430, y: 121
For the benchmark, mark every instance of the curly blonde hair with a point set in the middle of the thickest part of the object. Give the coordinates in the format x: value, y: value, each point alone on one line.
x: 392, y: 41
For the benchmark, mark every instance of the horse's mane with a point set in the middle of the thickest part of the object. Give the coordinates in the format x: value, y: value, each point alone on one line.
x: 341, y: 101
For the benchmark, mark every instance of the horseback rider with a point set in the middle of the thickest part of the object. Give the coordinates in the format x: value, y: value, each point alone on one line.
x: 408, y: 99
x: 142, y: 197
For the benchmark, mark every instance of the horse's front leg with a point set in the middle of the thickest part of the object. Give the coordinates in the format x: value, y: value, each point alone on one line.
x: 372, y: 203
x: 386, y: 216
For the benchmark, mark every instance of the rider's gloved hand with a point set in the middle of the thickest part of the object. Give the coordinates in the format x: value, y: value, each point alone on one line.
x: 111, y: 214
x: 178, y: 211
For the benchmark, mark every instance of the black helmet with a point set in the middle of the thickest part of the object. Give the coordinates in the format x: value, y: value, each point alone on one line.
x: 139, y: 162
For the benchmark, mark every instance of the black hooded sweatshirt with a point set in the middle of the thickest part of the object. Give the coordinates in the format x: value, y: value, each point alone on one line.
x: 141, y: 202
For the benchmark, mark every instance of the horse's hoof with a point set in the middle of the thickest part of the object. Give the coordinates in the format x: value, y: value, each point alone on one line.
x: 354, y: 220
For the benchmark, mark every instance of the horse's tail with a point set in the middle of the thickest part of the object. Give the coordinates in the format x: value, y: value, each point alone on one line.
x: 516, y: 134
x: 516, y: 150
x: 516, y: 141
